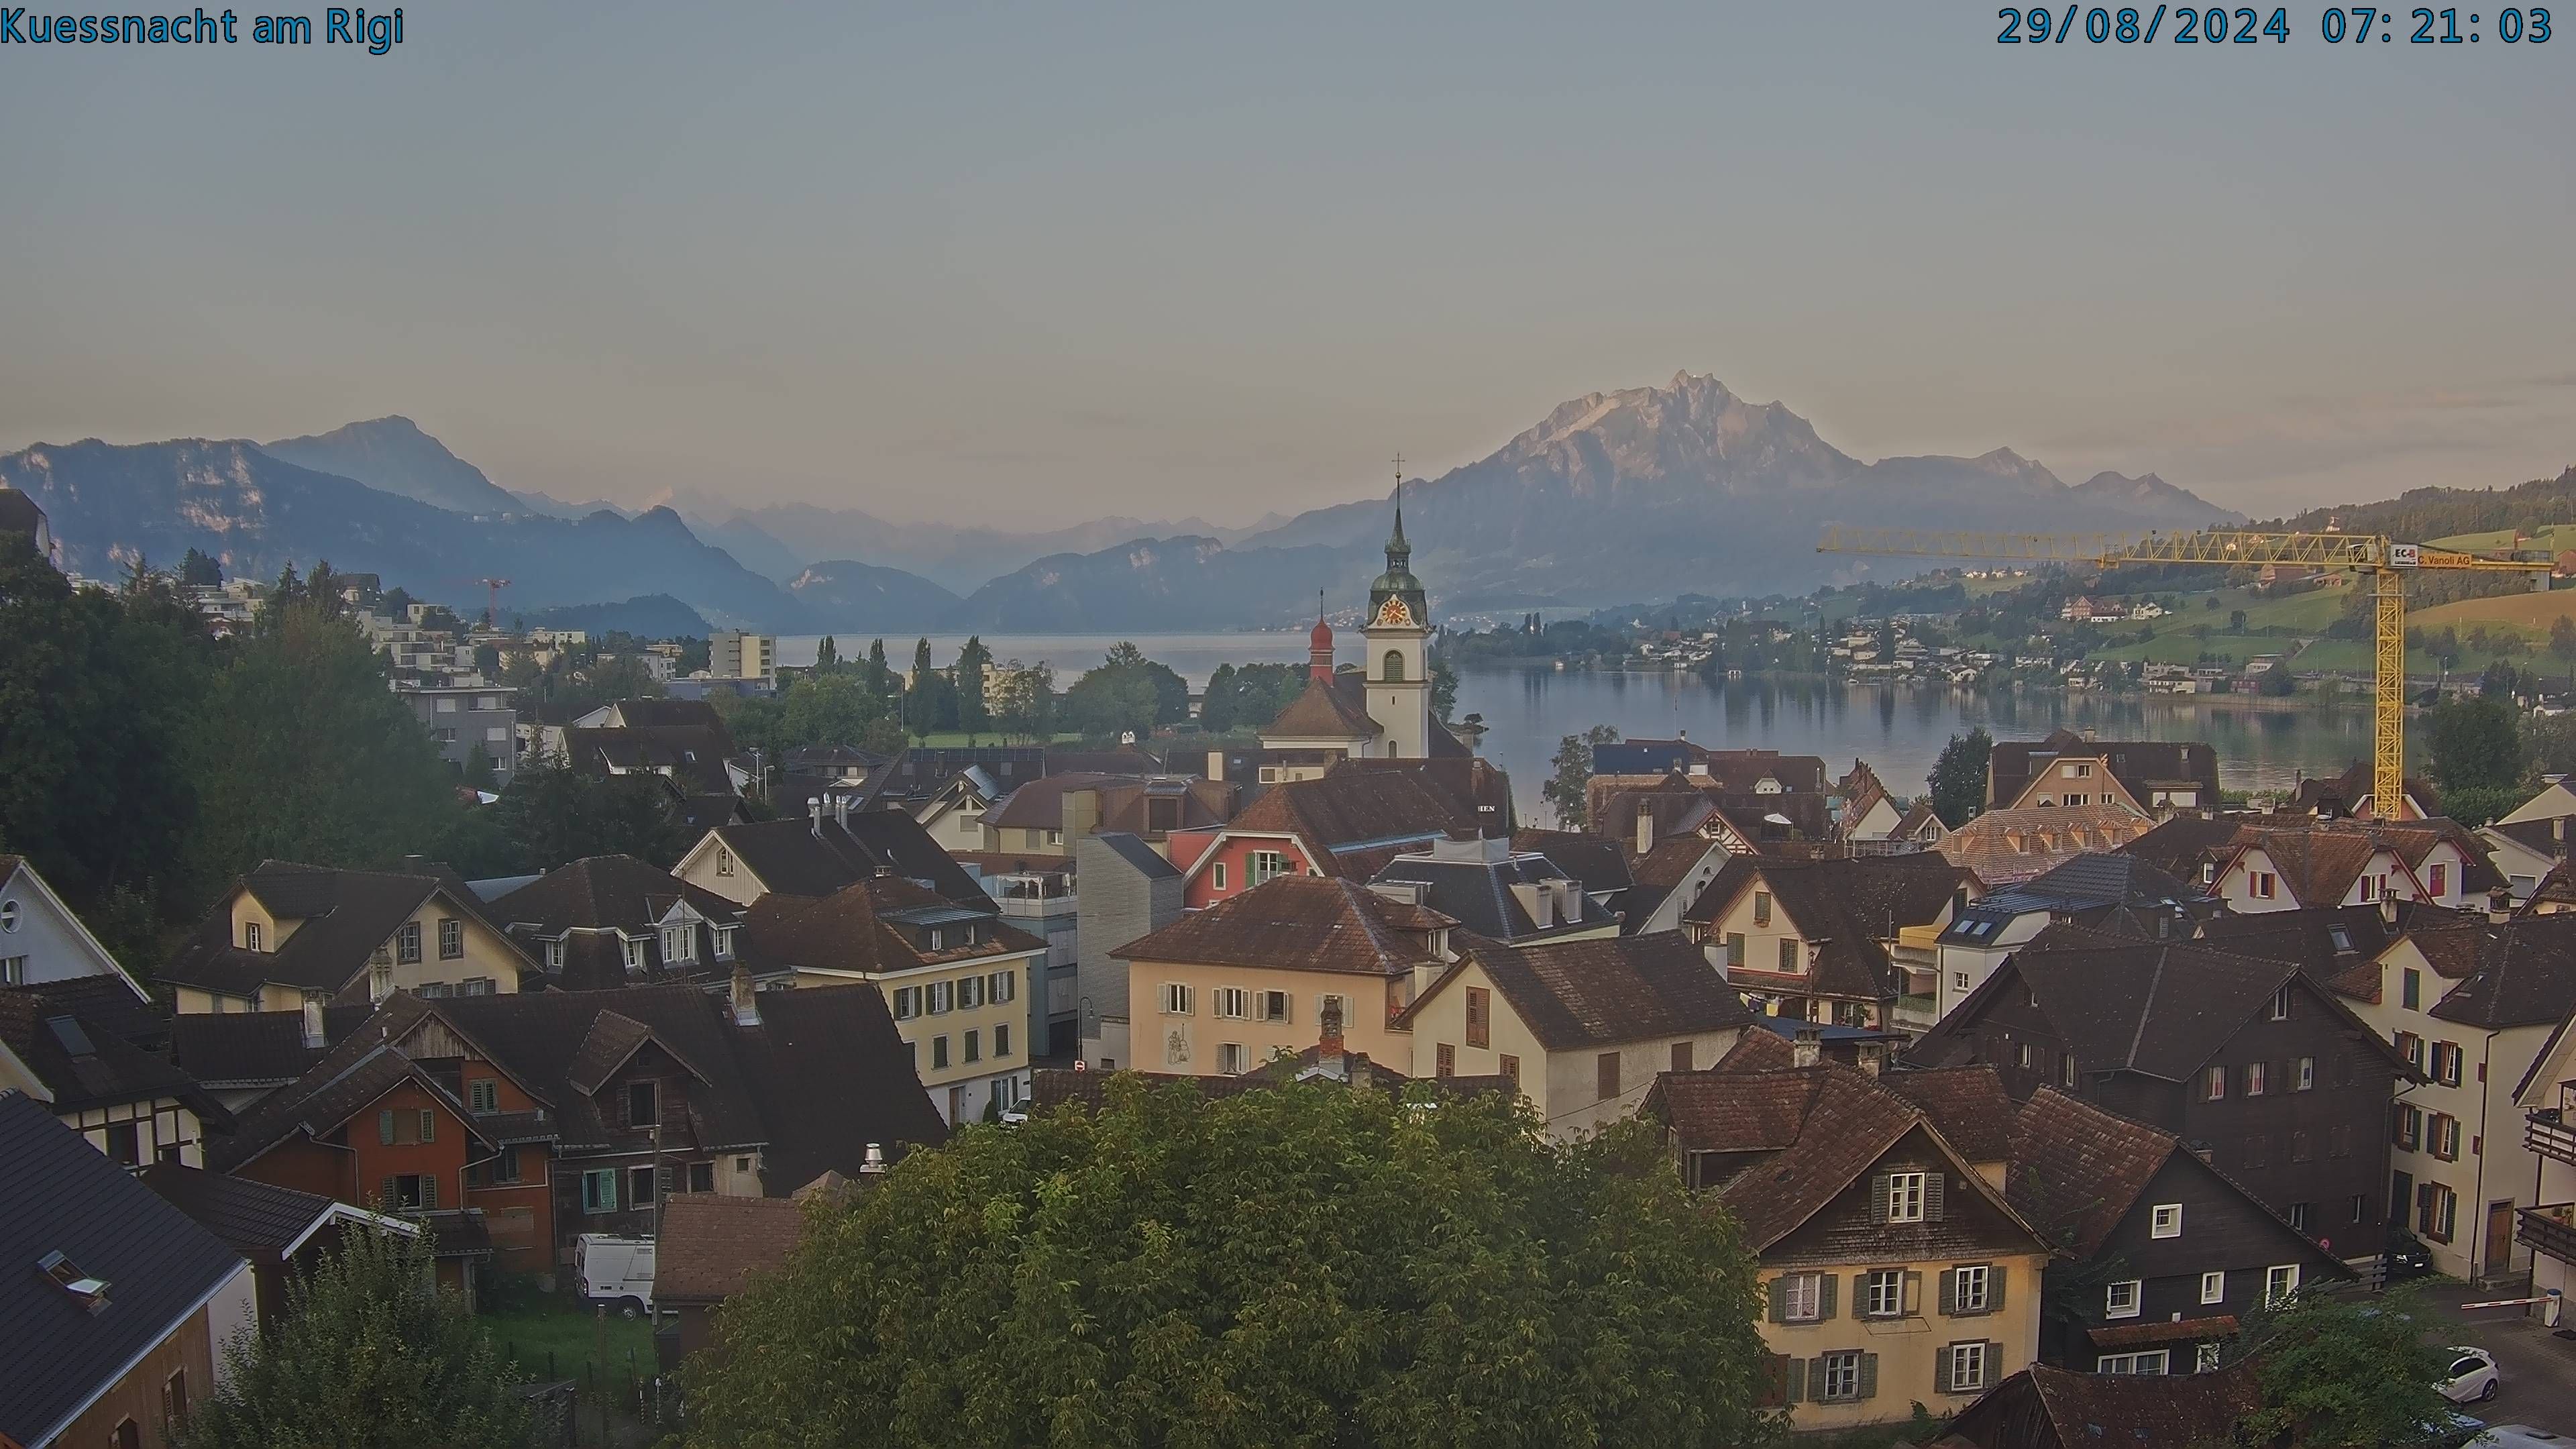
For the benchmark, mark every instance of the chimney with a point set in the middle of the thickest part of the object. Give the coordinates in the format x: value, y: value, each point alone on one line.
x: 746, y: 1002
x: 1871, y: 1056
x: 2387, y: 909
x: 2499, y: 906
x: 814, y: 809
x: 1645, y: 829
x: 1807, y: 1048
x: 313, y: 1039
x: 841, y: 808
x: 874, y: 1164
x: 2558, y: 837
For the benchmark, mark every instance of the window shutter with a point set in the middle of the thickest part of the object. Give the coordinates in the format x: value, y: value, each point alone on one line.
x: 1910, y: 1299
x: 385, y: 1126
x: 1797, y: 1380
x: 1941, y: 1369
x: 1994, y: 1364
x: 1816, y: 1379
x: 428, y: 1125
x: 1860, y: 1295
x: 428, y: 1193
x: 1869, y: 1376
x: 1826, y: 1293
x: 1878, y: 1197
x: 1994, y: 1295
x: 1935, y: 1189
x: 666, y: 1177
x: 1780, y: 1299
x: 1949, y: 1293
x: 386, y: 1203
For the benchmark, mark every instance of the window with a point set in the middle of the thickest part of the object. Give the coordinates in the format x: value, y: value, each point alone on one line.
x: 1681, y: 1056
x: 174, y: 1397
x: 1002, y: 1039
x: 1801, y: 1297
x: 1231, y: 1002
x: 1905, y: 1196
x: 2213, y: 1287
x: 2446, y: 1062
x: 451, y: 938
x: 1963, y: 1367
x: 1002, y: 986
x: 941, y: 997
x: 483, y: 1094
x: 2436, y: 1211
x: 639, y: 1186
x: 1267, y: 864
x: 938, y: 1053
x: 1176, y: 998
x: 643, y: 1104
x: 2260, y: 884
x: 2027, y: 1055
x: 1838, y: 1377
x: 1958, y: 980
x: 2370, y: 887
x: 2303, y: 1077
x: 1270, y: 1006
x: 2299, y: 1216
x: 2281, y: 1004
x: 1605, y: 1077
x: 724, y: 861
x: 907, y: 1002
x: 1971, y: 1289
x: 446, y: 704
x: 2439, y: 881
x: 250, y: 936
x: 1231, y: 1059
x: 124, y: 1144
x: 2411, y: 1047
x: 1882, y: 1293
x: 407, y: 943
x: 2164, y: 1220
x: 1480, y: 1012
x: 2279, y: 1283
x: 975, y: 1046
x: 1789, y: 955
x: 1445, y: 1061
x: 410, y: 1192
x: 128, y: 1435
x: 634, y: 952
x: 970, y: 992
x: 1217, y: 871
x: 2299, y: 1148
x: 505, y: 1165
x: 2075, y: 799
x: 2213, y: 1084
x: 2258, y: 1150
x: 2254, y: 1079
x: 2442, y: 1136
x: 724, y: 943
x: 1394, y: 666
x: 2410, y: 1127
x: 1511, y: 1069
x: 2152, y: 1361
x: 1735, y: 949
x: 2066, y: 1070
x: 679, y: 943
x: 2411, y: 989
x: 2120, y: 1300
x: 554, y: 955
x: 13, y: 970
x: 1761, y: 908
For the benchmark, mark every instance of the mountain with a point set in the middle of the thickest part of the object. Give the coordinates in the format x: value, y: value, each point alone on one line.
x: 1168, y: 584
x: 843, y: 594
x: 392, y: 455
x: 956, y: 556
x: 257, y: 514
x: 752, y: 546
x: 554, y: 507
x: 1689, y: 488
x: 649, y: 616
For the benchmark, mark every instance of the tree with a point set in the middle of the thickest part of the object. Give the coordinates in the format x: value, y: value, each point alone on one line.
x: 1127, y: 693
x: 2476, y: 744
x: 2562, y: 637
x: 830, y: 709
x: 827, y: 656
x: 1444, y: 691
x: 929, y: 700
x: 1023, y: 702
x: 552, y: 813
x: 1958, y: 779
x: 369, y: 1354
x: 1248, y: 696
x: 1569, y: 791
x: 2235, y: 619
x: 1305, y: 1264
x: 880, y: 676
x: 972, y: 714
x: 2339, y: 1372
x: 199, y: 570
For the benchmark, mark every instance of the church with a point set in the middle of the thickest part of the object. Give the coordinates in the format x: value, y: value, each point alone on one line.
x: 1381, y: 710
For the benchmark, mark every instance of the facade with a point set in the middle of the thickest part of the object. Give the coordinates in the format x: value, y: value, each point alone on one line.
x: 2119, y: 893
x: 465, y: 720
x: 2005, y: 847
x: 2547, y: 1229
x: 287, y: 935
x: 118, y: 1306
x: 2311, y: 863
x: 1893, y: 1270
x: 1347, y: 824
x: 65, y: 1054
x: 2150, y: 777
x: 41, y: 940
x: 608, y: 921
x: 733, y: 654
x: 1580, y: 1028
x: 1128, y: 893
x: 1816, y: 940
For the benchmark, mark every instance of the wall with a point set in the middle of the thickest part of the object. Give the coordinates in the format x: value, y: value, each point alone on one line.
x: 1235, y: 852
x: 1364, y: 1029
x: 1979, y: 961
x: 1117, y: 904
x: 963, y: 1086
x: 161, y: 1125
x: 55, y: 944
x: 137, y: 1396
x: 710, y: 866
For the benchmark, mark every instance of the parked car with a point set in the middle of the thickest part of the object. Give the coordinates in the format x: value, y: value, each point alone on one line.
x: 2520, y: 1436
x: 2405, y: 1257
x: 2473, y: 1376
x: 614, y: 1271
x: 2453, y: 1431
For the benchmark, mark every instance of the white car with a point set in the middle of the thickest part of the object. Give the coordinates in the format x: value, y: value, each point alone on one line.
x: 2473, y: 1376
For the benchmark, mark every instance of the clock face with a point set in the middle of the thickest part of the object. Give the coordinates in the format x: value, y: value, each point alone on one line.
x: 1394, y: 615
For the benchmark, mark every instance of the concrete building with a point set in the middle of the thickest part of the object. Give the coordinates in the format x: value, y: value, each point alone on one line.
x: 1128, y: 892
x: 733, y: 654
x: 464, y: 717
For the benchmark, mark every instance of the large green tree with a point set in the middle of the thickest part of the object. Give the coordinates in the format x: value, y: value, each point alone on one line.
x: 1248, y: 696
x: 369, y: 1355
x: 1569, y: 790
x: 1958, y: 779
x: 1126, y: 693
x: 973, y: 715
x: 552, y: 813
x: 2476, y: 756
x: 2340, y: 1373
x: 1307, y: 1266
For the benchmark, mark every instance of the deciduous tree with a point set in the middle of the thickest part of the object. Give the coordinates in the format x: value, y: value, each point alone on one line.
x: 1568, y: 792
x: 1958, y: 779
x: 2344, y: 1374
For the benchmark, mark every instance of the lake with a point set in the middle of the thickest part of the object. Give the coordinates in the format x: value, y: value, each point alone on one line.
x: 1898, y: 729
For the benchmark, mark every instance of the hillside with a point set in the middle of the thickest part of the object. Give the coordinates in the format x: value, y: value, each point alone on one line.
x: 1158, y: 584
x: 651, y: 616
x: 842, y: 594
x: 392, y: 455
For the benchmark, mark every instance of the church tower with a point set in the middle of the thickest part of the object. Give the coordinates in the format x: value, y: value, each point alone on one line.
x: 1399, y: 652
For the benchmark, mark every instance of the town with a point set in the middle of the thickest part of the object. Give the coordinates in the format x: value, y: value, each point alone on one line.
x: 2071, y: 1089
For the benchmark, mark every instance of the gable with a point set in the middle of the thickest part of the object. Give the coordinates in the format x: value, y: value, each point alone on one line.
x: 1846, y: 1230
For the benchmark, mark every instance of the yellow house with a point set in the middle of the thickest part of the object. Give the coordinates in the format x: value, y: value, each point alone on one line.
x: 1893, y: 1271
x: 1223, y: 990
x: 1815, y: 940
x: 1582, y: 1027
x: 954, y: 978
x: 289, y: 934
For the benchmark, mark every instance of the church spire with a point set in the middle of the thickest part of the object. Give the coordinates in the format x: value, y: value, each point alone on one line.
x: 1398, y: 552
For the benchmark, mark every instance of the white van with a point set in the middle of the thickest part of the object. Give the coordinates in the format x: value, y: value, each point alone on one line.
x: 614, y: 1271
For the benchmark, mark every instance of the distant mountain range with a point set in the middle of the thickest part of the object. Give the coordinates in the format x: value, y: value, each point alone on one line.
x: 1641, y: 493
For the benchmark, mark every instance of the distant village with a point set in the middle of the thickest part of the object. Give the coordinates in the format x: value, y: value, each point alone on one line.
x: 2022, y: 1114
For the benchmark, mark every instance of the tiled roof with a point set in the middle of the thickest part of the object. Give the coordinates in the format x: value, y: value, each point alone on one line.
x: 2319, y: 860
x: 2558, y: 888
x: 2182, y: 844
x: 1478, y: 894
x: 345, y: 916
x: 849, y: 930
x: 1967, y: 1105
x: 250, y: 1047
x: 692, y: 756
x: 2005, y: 846
x: 1340, y: 816
x: 2076, y: 1170
x: 1577, y: 994
x: 2129, y: 1411
x: 711, y: 1244
x: 1322, y: 712
x: 61, y: 1195
x: 1298, y: 922
x: 2338, y: 945
x: 1474, y: 785
x: 606, y: 891
x: 801, y: 857
x: 2136, y: 764
x: 258, y: 1220
x: 2525, y: 974
x: 84, y: 1064
x: 1848, y: 907
x: 344, y: 1084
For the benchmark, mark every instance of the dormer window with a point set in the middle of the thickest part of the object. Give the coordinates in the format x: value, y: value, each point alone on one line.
x: 679, y: 943
x: 634, y: 952
x: 251, y: 936
x: 554, y: 955
x: 724, y: 861
x: 724, y: 943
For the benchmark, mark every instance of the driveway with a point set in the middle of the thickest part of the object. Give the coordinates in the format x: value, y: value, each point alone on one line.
x: 2539, y: 1368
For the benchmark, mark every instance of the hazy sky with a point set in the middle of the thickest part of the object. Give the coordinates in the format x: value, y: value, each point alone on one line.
x: 1040, y: 263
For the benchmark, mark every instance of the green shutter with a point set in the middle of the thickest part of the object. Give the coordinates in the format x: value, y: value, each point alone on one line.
x: 387, y: 1203
x: 1816, y: 1378
x: 1994, y: 1295
x: 1994, y: 1363
x: 1877, y: 1198
x: 385, y: 1127
x: 1941, y: 1368
x: 1860, y: 1295
x: 428, y: 1125
x: 1869, y: 1376
x: 1797, y: 1380
x: 1935, y: 1189
x: 1949, y: 1293
x: 1826, y: 1292
x: 429, y: 1192
x: 1779, y: 1289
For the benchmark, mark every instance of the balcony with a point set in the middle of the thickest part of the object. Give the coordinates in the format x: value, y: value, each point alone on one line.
x: 2547, y: 1133
x: 1917, y: 1013
x: 2550, y: 1229
x: 1037, y: 906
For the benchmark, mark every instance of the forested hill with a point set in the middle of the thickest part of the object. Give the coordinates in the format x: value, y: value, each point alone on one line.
x: 2421, y: 515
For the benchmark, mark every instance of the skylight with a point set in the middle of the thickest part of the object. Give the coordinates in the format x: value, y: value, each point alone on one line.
x: 92, y: 1292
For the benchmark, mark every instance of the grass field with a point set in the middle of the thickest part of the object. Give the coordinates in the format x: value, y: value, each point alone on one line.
x: 2554, y: 537
x: 2526, y: 614
x: 549, y: 1334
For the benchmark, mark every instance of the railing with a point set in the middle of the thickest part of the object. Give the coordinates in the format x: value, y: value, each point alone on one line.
x: 1918, y: 1012
x: 2547, y: 1133
x: 1054, y: 905
x: 2550, y: 1229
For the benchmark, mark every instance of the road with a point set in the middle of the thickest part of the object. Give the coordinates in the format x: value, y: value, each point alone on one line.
x: 2539, y: 1369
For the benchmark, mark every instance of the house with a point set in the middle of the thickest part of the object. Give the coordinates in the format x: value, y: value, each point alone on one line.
x: 1227, y: 988
x: 239, y: 1057
x: 2554, y: 802
x: 2120, y: 894
x: 554, y: 1114
x: 2524, y: 851
x: 1344, y: 826
x: 279, y: 1231
x: 710, y: 1248
x: 608, y: 921
x: 2008, y: 846
x: 468, y: 721
x: 1817, y: 940
x: 2054, y: 1408
x: 1129, y: 891
x: 42, y: 942
x: 1496, y: 891
x: 2253, y: 1060
x: 1579, y: 1027
x: 1893, y: 1270
x: 1042, y: 817
x: 2150, y: 777
x: 1648, y: 891
x: 2165, y: 1255
x: 2471, y: 1002
x: 1868, y: 813
x: 2547, y: 1096
x: 955, y: 978
x: 2279, y: 863
x: 820, y: 853
x: 1382, y: 710
x: 1725, y: 772
x: 130, y: 1104
x: 954, y: 813
x: 2348, y: 796
x: 117, y: 1306
x: 1795, y: 822
x: 1921, y: 826
x: 288, y: 934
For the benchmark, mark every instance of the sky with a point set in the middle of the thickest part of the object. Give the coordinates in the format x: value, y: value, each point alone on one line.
x: 1034, y: 264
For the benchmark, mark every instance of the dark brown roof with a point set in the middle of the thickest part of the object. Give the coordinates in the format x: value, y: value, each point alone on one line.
x: 712, y: 1244
x: 1475, y: 786
x: 109, y: 1003
x: 1967, y: 1106
x: 1321, y: 711
x: 2320, y: 859
x: 1849, y: 907
x: 2181, y: 845
x: 1353, y: 823
x: 1298, y: 922
x: 344, y: 1084
x: 345, y: 916
x: 2077, y: 1170
x: 616, y: 891
x: 692, y: 756
x: 258, y: 1220
x: 83, y: 1063
x: 803, y: 857
x: 2090, y: 1411
x: 251, y: 1047
x: 2338, y: 945
x: 2136, y: 764
x: 1125, y: 803
x: 859, y: 928
x: 2558, y: 888
x: 2525, y: 976
x: 2177, y: 1330
x: 1576, y: 994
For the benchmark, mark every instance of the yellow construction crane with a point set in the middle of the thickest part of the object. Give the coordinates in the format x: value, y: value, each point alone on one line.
x: 2383, y: 561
